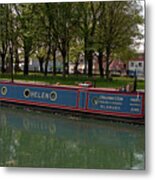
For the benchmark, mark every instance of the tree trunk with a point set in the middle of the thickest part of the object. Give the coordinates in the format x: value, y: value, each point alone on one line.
x: 47, y: 58
x: 76, y: 68
x: 27, y: 48
x: 46, y: 67
x: 107, y: 62
x: 100, y: 62
x: 54, y: 62
x: 76, y: 65
x: 3, y: 56
x: 16, y: 60
x: 11, y: 62
x: 41, y: 60
x: 85, y: 62
x: 90, y: 63
x: 86, y: 54
x: 67, y: 68
x: 26, y: 64
x: 3, y: 63
x: 64, y: 63
x: 64, y: 66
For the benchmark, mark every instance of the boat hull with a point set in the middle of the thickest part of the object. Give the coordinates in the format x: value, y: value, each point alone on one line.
x: 86, y: 100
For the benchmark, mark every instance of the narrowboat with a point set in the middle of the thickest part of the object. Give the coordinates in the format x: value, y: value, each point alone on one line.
x: 113, y: 103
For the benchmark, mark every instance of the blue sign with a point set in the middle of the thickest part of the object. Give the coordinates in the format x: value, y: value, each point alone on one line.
x: 122, y: 103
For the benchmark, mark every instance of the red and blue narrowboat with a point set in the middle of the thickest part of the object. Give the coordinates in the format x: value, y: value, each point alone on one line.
x: 88, y: 100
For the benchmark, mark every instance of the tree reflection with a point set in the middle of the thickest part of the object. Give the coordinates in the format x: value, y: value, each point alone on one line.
x: 45, y: 140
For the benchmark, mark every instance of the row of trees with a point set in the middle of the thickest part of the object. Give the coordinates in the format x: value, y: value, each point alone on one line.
x: 40, y: 30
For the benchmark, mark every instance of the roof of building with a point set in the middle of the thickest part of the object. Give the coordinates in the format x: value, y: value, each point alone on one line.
x: 137, y: 59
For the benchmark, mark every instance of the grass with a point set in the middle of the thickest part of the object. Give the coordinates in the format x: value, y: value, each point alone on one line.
x: 116, y: 82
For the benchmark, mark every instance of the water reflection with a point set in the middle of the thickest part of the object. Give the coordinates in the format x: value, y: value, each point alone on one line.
x: 36, y: 139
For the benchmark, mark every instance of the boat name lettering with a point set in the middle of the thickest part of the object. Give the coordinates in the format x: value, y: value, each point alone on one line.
x: 39, y: 95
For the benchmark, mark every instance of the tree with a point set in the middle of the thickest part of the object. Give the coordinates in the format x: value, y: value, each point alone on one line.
x: 40, y: 53
x: 26, y: 26
x: 63, y: 27
x: 117, y: 28
x: 4, y: 14
x: 109, y: 28
x: 88, y: 12
x: 46, y: 38
x: 9, y: 38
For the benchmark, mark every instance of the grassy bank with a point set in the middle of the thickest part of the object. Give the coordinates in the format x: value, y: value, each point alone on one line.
x: 116, y: 82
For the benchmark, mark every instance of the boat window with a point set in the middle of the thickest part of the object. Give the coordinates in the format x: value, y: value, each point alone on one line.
x: 4, y: 90
x: 53, y: 96
x: 26, y: 93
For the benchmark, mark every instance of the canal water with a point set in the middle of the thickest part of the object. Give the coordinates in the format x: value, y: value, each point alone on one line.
x: 38, y: 139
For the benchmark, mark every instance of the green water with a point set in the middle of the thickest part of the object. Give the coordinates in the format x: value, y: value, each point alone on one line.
x: 39, y: 139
